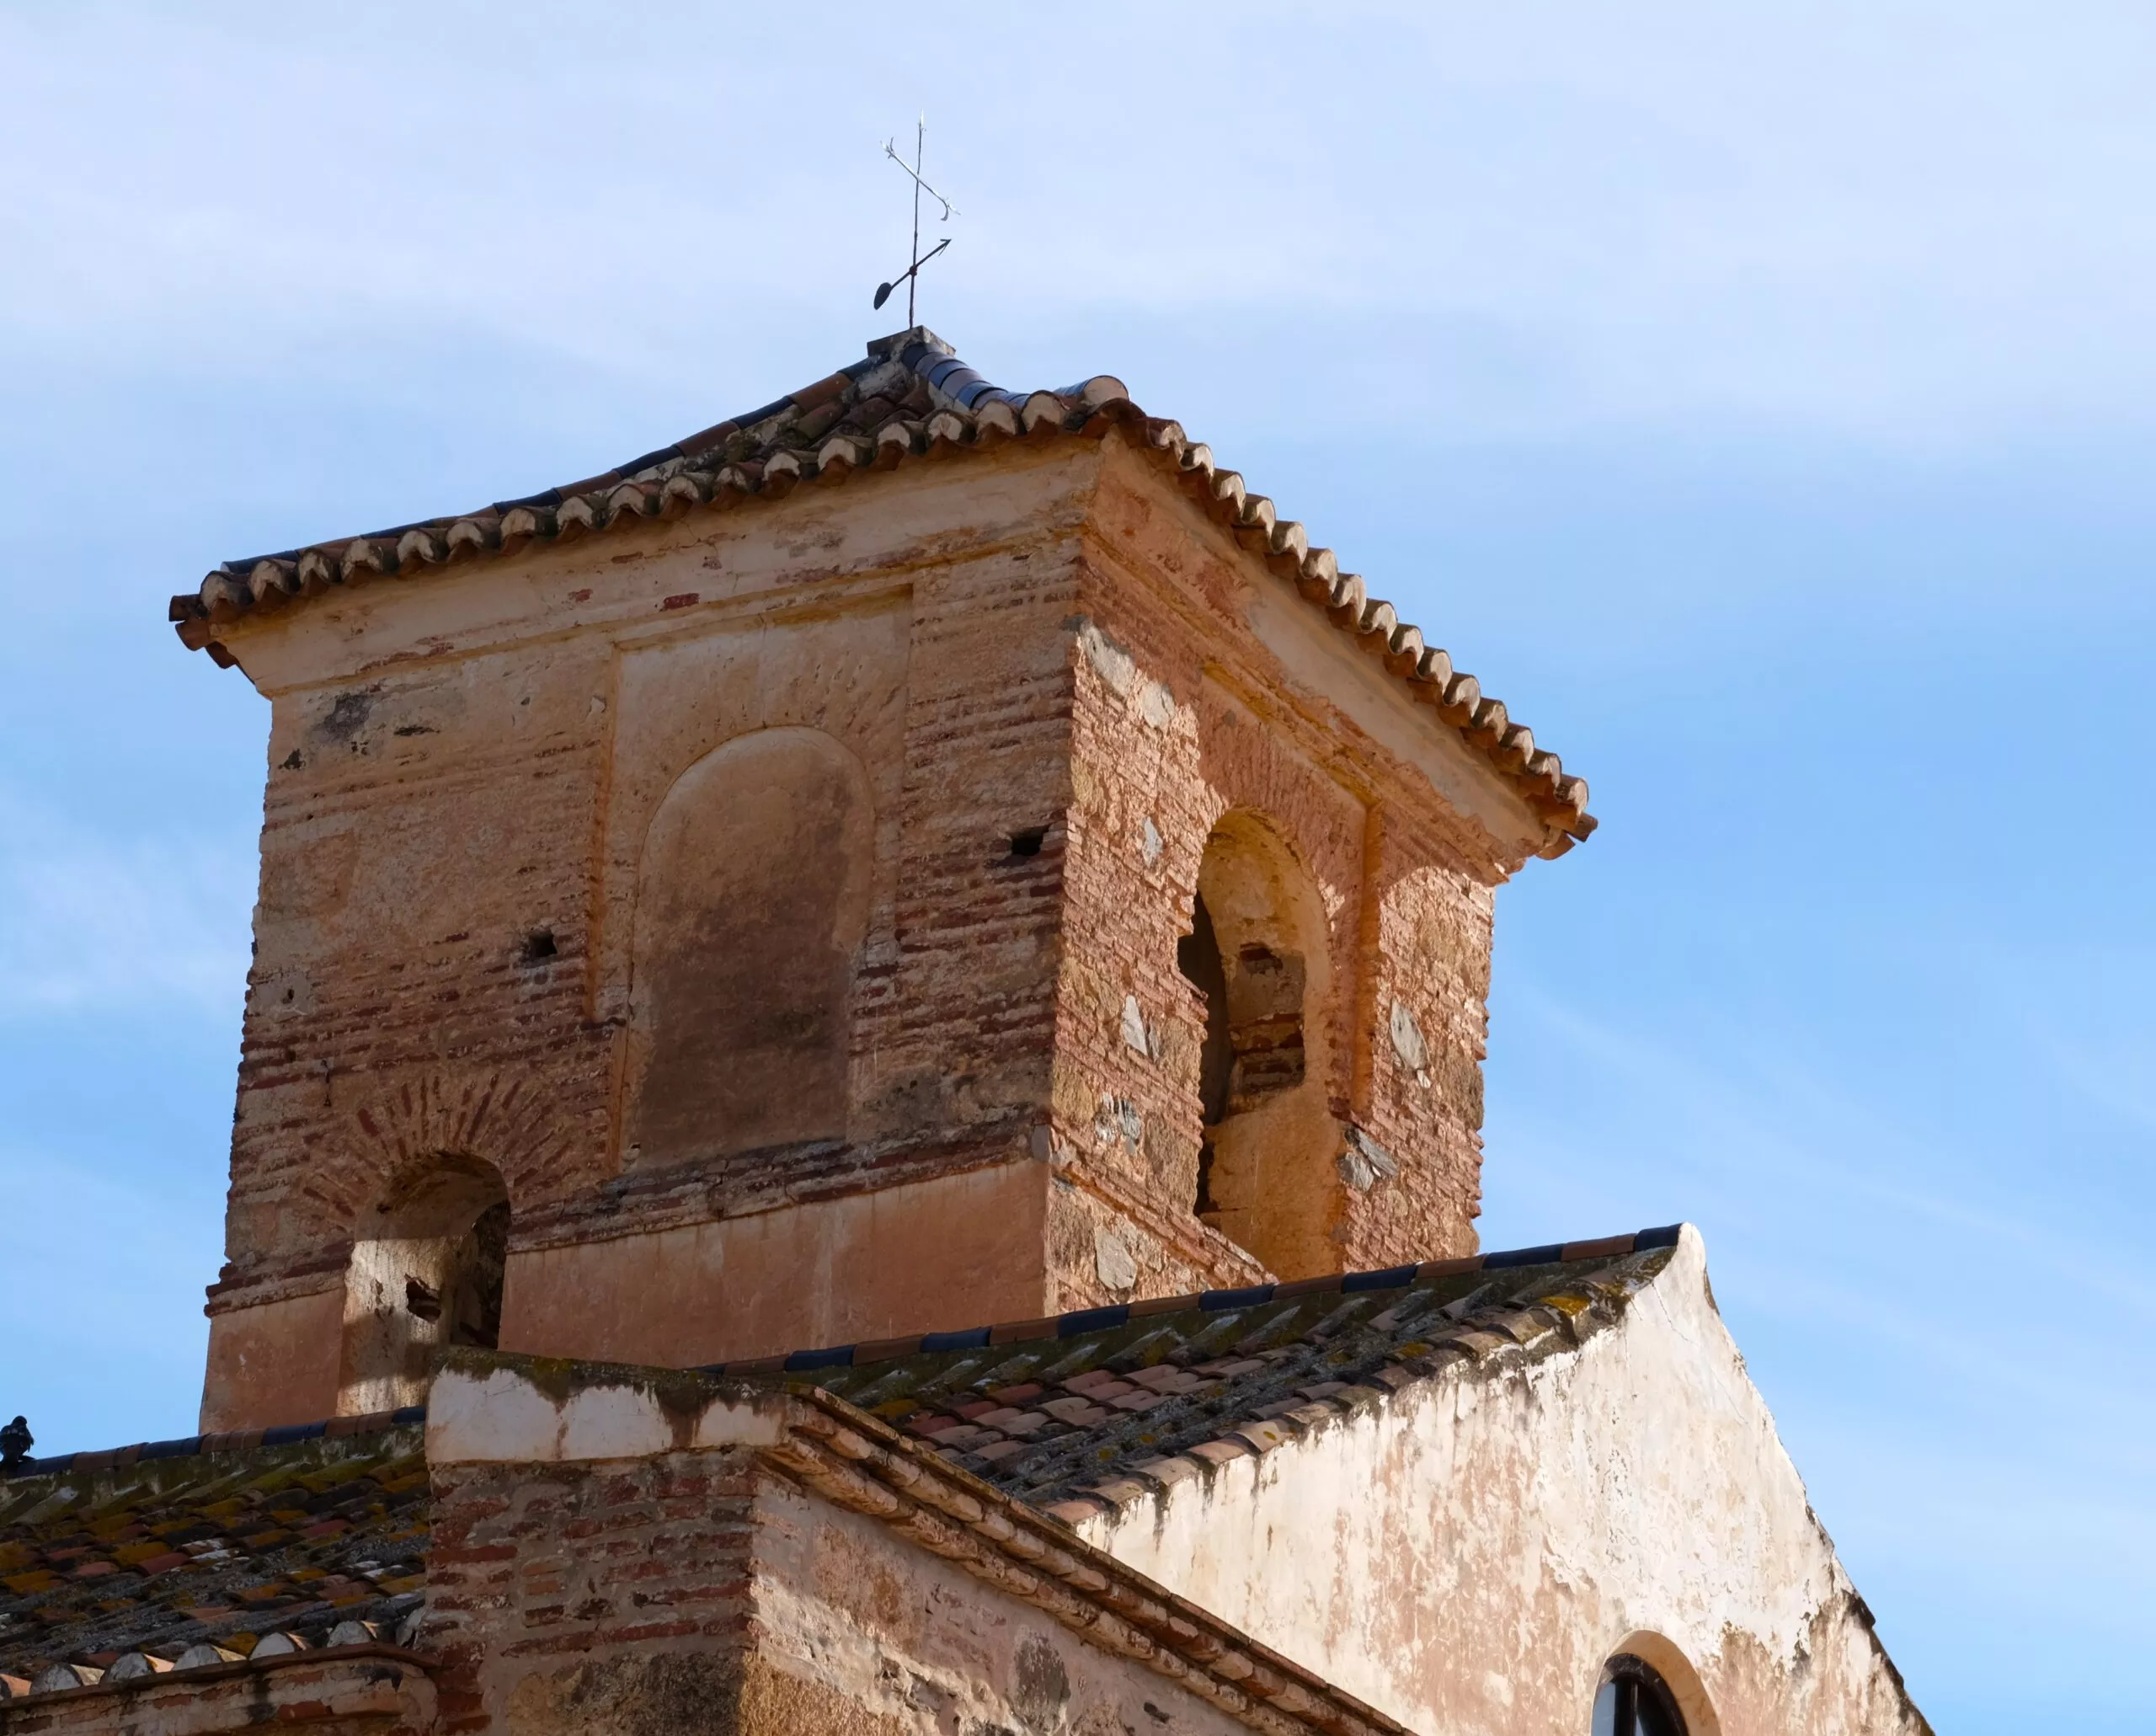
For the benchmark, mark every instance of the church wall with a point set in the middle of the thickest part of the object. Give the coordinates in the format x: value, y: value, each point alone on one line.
x: 275, y: 1363
x: 464, y: 774
x: 863, y: 1266
x: 612, y: 1555
x: 592, y: 1596
x: 858, y: 1631
x: 1205, y: 688
x: 1466, y: 1555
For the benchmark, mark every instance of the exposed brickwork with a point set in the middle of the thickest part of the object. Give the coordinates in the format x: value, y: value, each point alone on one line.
x: 1180, y: 716
x: 372, y: 1045
x: 557, y: 1587
x: 1056, y: 675
x: 1431, y: 960
x: 390, y: 1012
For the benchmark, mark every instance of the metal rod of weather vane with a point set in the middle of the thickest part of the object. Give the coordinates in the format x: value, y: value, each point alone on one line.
x: 913, y: 258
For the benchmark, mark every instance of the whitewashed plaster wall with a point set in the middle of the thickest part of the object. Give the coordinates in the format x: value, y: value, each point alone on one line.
x: 1466, y: 1556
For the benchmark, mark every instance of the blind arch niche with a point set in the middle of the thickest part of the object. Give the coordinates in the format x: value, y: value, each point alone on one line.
x: 752, y: 899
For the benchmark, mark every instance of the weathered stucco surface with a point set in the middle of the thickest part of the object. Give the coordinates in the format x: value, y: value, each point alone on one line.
x: 1462, y: 1555
x: 849, y: 1616
x: 869, y: 1265
x: 1467, y: 1555
x: 617, y: 1553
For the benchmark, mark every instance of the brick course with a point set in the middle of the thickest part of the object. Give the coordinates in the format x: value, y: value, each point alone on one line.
x: 1050, y: 645
x: 550, y: 1585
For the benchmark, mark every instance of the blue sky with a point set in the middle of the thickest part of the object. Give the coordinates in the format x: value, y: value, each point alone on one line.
x: 1758, y: 399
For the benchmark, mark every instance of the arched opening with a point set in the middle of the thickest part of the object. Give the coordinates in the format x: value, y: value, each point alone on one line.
x: 1649, y: 1688
x: 426, y: 1272
x: 751, y: 903
x: 1256, y: 957
x: 1198, y: 954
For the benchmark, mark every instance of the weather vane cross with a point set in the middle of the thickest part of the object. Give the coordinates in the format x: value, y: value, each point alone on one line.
x: 916, y: 259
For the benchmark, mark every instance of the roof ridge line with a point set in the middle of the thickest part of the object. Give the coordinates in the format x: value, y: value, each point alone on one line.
x: 815, y: 434
x: 1077, y: 1321
x: 228, y: 1440
x: 1069, y: 1324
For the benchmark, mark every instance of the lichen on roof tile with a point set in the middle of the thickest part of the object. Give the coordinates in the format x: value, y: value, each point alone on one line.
x: 1056, y: 1416
x: 220, y: 1548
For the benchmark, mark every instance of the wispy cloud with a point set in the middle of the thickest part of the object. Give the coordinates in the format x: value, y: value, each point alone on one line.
x: 1843, y: 1219
x: 2108, y: 1053
x: 1781, y: 364
x: 1661, y: 210
x: 113, y: 922
x: 1954, y: 1362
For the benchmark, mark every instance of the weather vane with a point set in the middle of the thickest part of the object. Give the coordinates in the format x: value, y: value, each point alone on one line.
x: 910, y: 276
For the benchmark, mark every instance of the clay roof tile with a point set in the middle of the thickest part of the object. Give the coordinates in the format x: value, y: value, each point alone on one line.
x: 1110, y: 1393
x: 181, y: 1546
x: 909, y: 396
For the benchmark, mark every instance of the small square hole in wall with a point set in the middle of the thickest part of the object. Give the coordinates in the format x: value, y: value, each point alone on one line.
x: 538, y: 946
x: 1028, y: 842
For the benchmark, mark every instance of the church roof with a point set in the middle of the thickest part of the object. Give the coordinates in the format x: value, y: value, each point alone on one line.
x: 909, y: 397
x: 227, y: 1542
x: 1088, y: 1410
x: 218, y: 1541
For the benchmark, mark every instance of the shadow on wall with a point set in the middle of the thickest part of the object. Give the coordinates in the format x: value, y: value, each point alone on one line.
x: 1257, y: 953
x: 751, y: 903
x: 425, y: 1272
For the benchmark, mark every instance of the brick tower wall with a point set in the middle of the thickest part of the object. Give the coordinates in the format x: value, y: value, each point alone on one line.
x: 1046, y: 678
x: 461, y: 775
x: 1204, y: 686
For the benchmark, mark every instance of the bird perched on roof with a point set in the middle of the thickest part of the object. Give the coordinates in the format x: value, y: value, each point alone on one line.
x: 16, y: 1441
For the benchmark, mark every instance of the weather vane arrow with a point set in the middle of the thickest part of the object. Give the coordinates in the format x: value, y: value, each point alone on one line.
x: 911, y: 276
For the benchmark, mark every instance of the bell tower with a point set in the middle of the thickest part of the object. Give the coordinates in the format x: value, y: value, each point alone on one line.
x: 914, y: 856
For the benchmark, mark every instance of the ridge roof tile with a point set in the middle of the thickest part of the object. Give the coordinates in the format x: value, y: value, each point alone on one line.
x: 909, y: 395
x: 1108, y: 1393
x: 150, y: 1551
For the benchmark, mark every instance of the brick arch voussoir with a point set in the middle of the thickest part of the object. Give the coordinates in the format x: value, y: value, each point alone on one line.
x: 1248, y: 772
x: 389, y: 1139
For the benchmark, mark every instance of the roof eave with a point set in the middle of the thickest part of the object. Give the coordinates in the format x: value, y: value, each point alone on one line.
x: 970, y: 414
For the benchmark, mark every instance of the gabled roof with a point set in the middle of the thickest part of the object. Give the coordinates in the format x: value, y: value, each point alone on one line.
x: 232, y: 1541
x: 219, y: 1540
x: 909, y: 397
x: 1085, y: 1411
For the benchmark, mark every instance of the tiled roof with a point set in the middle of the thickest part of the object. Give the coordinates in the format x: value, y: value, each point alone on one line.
x: 194, y: 1553
x: 909, y: 397
x: 197, y: 1552
x: 1085, y: 1410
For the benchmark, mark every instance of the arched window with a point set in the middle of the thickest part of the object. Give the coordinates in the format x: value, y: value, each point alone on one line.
x: 751, y: 902
x: 1255, y: 955
x: 426, y: 1272
x: 1635, y: 1700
